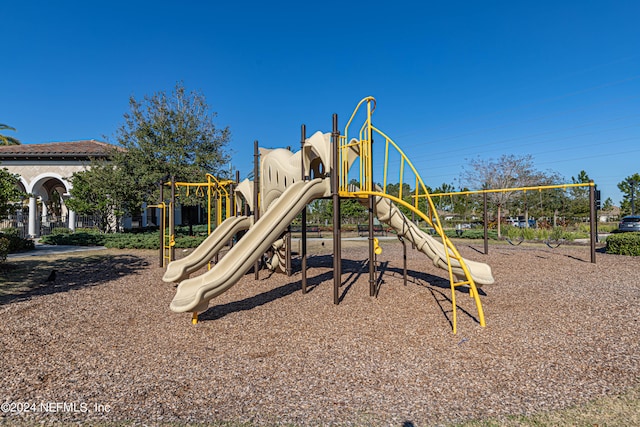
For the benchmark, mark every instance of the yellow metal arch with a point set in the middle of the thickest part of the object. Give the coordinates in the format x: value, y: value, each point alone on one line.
x: 363, y: 146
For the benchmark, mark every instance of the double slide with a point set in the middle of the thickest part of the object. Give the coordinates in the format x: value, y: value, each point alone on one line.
x: 181, y: 269
x: 194, y: 294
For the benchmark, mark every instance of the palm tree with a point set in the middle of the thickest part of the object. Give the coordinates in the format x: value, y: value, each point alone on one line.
x: 7, y: 140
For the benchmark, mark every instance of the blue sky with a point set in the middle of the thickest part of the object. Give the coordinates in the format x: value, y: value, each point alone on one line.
x: 559, y: 80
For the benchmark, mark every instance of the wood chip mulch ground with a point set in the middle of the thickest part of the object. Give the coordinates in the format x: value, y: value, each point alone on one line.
x: 101, y: 345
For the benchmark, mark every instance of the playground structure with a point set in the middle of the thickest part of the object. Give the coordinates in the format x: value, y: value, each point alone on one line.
x: 594, y: 201
x: 326, y: 166
x: 219, y: 202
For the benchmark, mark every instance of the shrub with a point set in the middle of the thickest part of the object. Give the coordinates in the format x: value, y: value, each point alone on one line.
x: 624, y: 244
x: 4, y: 249
x: 62, y: 230
x: 189, y: 241
x: 132, y: 241
x: 517, y: 233
x: 197, y: 229
x: 76, y: 239
x: 472, y: 234
x: 16, y: 243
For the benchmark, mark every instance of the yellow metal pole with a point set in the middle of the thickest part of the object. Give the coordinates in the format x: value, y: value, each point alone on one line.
x: 506, y: 190
x: 208, y: 204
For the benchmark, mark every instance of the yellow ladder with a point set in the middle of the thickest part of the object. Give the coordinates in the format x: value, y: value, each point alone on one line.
x: 361, y: 148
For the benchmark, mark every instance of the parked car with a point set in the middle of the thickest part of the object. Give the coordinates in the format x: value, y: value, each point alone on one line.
x: 630, y: 223
x: 521, y: 223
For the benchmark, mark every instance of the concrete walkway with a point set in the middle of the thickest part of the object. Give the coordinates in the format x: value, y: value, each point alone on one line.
x: 41, y: 250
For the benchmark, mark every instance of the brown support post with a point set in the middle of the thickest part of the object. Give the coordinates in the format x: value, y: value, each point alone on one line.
x: 256, y: 209
x: 172, y: 219
x: 288, y: 252
x: 404, y: 259
x: 287, y: 242
x: 372, y: 254
x: 486, y: 225
x: 592, y: 221
x: 303, y: 246
x: 337, y: 250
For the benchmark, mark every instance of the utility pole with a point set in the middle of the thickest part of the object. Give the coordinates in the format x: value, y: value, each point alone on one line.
x: 632, y: 183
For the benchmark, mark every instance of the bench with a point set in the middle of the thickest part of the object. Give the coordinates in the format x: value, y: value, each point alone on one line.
x: 313, y: 229
x: 363, y: 229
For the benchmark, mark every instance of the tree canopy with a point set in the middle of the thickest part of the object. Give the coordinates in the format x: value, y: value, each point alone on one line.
x: 508, y: 171
x: 7, y: 140
x: 163, y: 136
x: 173, y: 135
x: 105, y: 192
x: 630, y: 188
x: 10, y: 194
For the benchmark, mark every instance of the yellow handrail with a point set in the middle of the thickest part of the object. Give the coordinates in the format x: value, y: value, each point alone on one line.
x: 506, y: 190
x: 364, y: 145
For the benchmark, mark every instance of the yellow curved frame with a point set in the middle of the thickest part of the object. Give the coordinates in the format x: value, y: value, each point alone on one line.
x: 364, y: 143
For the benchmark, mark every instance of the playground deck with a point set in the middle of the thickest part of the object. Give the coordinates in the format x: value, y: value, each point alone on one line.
x: 560, y: 331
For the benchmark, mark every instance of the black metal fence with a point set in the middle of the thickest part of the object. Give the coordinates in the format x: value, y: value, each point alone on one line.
x: 20, y: 224
x: 47, y: 225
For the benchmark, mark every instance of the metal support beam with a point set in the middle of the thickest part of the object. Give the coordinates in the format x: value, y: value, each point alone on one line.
x: 303, y: 243
x: 592, y: 221
x: 256, y: 209
x: 404, y: 259
x: 486, y: 224
x: 337, y: 250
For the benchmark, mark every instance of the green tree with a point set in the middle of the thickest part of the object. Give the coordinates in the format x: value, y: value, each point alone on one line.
x: 630, y: 188
x: 509, y: 171
x: 171, y: 135
x: 108, y: 203
x: 579, y: 203
x: 444, y: 203
x: 352, y: 211
x: 7, y: 140
x: 463, y: 206
x: 10, y: 194
x: 164, y: 136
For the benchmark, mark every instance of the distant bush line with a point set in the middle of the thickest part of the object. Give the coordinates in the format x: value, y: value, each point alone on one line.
x: 147, y: 239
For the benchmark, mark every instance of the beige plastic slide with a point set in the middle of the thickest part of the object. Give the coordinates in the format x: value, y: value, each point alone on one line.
x: 181, y: 269
x: 194, y: 294
x: 388, y: 213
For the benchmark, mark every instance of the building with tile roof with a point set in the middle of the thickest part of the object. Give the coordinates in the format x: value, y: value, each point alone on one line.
x: 45, y: 171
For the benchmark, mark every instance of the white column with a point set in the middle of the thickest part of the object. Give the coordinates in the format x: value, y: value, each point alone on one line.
x: 44, y: 211
x: 72, y: 219
x: 33, y: 217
